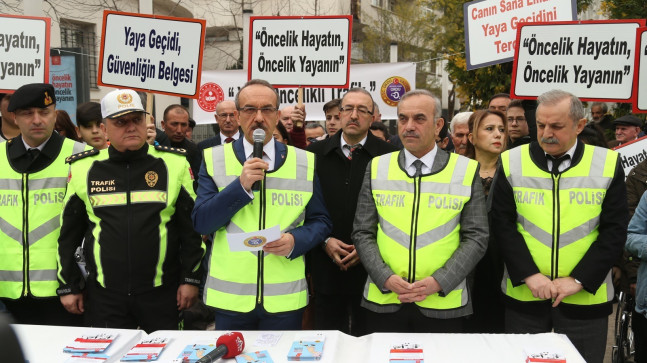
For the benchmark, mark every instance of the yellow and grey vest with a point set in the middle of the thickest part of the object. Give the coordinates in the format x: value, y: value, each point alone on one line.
x: 238, y: 281
x: 558, y: 216
x: 419, y: 224
x: 30, y: 206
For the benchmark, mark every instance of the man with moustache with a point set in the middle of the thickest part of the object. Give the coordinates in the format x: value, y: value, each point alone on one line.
x: 338, y: 275
x: 561, y: 208
x: 175, y: 123
x: 227, y: 118
x: 420, y: 228
x: 31, y: 193
x: 458, y: 130
x: 130, y: 206
x: 264, y: 290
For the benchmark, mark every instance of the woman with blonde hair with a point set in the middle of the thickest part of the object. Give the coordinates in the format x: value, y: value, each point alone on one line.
x: 488, y: 134
x: 487, y: 138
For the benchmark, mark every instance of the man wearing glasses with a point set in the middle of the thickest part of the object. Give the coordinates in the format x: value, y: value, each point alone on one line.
x: 227, y: 118
x: 337, y: 273
x: 517, y: 125
x: 264, y: 290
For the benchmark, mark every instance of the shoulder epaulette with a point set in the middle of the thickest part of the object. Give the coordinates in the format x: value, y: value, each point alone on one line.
x: 83, y: 154
x: 176, y: 150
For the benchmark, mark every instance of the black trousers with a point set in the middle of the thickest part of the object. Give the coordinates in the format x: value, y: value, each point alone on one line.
x: 639, y: 326
x: 152, y: 310
x: 589, y: 336
x: 340, y: 312
x: 410, y: 320
x: 45, y: 311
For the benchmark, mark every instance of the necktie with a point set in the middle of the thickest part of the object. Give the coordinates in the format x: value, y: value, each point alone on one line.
x: 557, y: 162
x: 228, y: 140
x: 418, y: 165
x: 352, y: 148
x: 33, y: 154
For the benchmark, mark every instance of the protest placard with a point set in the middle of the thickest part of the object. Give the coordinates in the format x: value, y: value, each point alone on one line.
x: 594, y: 60
x: 491, y: 26
x: 293, y: 51
x: 152, y: 53
x: 632, y: 153
x: 640, y: 80
x: 386, y: 82
x: 24, y: 51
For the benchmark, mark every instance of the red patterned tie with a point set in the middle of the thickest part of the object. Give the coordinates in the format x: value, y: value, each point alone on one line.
x: 352, y: 148
x: 228, y: 140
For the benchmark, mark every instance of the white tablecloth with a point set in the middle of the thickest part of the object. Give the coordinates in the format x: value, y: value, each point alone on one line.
x: 44, y: 344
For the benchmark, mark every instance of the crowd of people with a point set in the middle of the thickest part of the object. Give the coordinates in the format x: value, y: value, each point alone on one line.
x: 508, y: 219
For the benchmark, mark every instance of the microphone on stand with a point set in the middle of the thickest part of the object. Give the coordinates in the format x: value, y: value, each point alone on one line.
x: 259, y: 138
x: 227, y: 346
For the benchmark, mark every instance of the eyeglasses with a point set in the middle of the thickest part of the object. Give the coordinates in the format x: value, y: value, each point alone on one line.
x: 224, y: 116
x: 250, y: 111
x: 361, y: 110
x: 311, y: 139
x: 519, y: 119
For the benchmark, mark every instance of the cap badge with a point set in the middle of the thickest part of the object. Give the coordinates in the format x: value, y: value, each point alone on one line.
x: 48, y: 100
x: 125, y: 98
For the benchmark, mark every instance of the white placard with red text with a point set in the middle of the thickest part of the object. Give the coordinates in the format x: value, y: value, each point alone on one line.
x: 632, y: 153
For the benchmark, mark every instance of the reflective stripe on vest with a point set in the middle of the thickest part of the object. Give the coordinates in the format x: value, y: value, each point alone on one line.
x: 35, y: 238
x: 176, y: 167
x: 238, y: 281
x: 558, y: 216
x: 419, y: 223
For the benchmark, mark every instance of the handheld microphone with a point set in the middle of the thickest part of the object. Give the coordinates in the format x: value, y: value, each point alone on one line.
x: 227, y: 346
x: 259, y: 138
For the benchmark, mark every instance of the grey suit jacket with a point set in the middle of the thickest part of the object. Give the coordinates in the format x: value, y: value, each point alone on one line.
x: 474, y: 234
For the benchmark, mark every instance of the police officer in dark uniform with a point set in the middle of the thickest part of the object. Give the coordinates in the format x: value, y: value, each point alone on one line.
x: 31, y: 197
x: 132, y: 204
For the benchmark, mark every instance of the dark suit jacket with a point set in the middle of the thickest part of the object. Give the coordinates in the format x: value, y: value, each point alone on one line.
x: 214, y: 141
x: 215, y: 209
x: 341, y: 180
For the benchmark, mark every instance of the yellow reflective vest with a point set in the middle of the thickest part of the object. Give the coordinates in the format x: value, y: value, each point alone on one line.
x: 30, y: 206
x: 238, y: 281
x: 419, y: 224
x: 558, y: 216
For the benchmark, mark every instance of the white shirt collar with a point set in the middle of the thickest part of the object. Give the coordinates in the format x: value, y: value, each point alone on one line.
x: 268, y: 148
x: 39, y: 147
x: 427, y: 160
x: 234, y: 136
x: 566, y: 163
x: 346, y: 151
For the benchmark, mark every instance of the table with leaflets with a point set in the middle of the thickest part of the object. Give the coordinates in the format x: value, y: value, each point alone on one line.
x: 44, y: 344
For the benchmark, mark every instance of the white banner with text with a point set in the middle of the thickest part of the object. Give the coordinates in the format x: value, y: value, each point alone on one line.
x: 386, y: 82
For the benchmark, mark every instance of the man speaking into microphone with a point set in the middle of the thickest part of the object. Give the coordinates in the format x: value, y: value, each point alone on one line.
x: 264, y: 290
